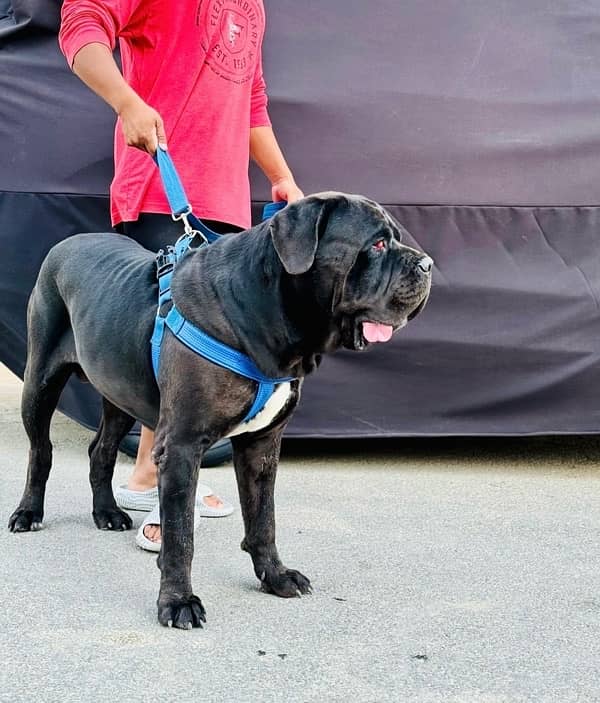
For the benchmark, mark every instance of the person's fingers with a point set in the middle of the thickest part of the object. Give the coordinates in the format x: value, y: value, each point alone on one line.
x: 143, y: 138
x: 150, y: 140
x: 152, y: 144
x: 161, y: 134
x: 276, y: 193
x: 286, y: 190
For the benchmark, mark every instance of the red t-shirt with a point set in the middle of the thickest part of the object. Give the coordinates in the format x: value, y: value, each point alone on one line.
x: 199, y: 65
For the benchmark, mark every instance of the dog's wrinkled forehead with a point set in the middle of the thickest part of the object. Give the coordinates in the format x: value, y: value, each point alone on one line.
x: 327, y: 220
x: 372, y: 216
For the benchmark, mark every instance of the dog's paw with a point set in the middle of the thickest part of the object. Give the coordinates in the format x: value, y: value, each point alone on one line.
x: 25, y: 521
x: 113, y: 519
x: 286, y: 583
x: 183, y: 614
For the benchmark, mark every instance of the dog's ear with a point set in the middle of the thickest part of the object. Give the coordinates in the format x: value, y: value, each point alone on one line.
x: 296, y: 230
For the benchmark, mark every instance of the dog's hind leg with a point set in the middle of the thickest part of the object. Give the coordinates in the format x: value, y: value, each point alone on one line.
x: 51, y: 359
x: 256, y: 459
x: 103, y: 455
x: 42, y: 387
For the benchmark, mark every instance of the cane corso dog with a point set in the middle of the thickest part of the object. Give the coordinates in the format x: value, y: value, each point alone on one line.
x: 326, y: 272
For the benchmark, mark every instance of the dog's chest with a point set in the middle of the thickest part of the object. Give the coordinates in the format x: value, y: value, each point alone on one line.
x: 265, y: 417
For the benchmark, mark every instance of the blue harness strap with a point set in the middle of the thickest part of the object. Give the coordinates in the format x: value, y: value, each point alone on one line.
x: 218, y: 353
x: 193, y: 337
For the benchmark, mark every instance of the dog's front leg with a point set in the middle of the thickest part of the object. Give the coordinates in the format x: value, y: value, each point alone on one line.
x: 256, y: 459
x: 177, y: 454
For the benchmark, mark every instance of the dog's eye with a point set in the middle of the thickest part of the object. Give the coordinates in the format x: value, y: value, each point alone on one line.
x: 380, y: 245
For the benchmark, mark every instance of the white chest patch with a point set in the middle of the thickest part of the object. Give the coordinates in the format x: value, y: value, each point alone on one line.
x: 265, y: 417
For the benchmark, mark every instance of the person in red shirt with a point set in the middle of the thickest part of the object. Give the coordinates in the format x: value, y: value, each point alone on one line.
x: 191, y: 79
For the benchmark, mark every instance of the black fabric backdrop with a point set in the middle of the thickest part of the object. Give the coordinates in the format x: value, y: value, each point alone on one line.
x: 476, y: 122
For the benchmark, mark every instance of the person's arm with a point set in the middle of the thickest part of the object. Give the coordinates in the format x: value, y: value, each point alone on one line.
x: 142, y: 125
x: 265, y: 150
x: 88, y: 35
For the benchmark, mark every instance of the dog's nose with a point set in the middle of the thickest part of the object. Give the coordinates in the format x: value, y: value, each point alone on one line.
x: 425, y: 264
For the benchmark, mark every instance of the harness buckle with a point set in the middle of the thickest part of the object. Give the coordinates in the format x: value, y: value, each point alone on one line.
x: 164, y: 262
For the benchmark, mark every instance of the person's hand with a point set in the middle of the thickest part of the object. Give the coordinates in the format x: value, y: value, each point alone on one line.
x: 142, y: 126
x: 286, y: 189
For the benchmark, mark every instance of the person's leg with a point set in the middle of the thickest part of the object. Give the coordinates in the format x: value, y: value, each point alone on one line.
x: 155, y: 232
x: 144, y: 477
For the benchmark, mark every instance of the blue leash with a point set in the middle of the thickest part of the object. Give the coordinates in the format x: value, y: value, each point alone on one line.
x: 193, y: 337
x: 178, y: 201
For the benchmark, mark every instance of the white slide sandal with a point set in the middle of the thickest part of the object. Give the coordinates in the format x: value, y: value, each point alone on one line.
x: 136, y: 500
x: 146, y: 500
x: 201, y: 510
x: 153, y: 518
x: 205, y: 510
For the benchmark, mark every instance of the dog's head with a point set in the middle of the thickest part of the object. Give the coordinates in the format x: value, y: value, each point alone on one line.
x: 344, y: 257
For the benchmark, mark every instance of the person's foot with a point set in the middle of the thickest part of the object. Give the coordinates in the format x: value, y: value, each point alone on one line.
x: 149, y: 533
x: 139, y: 483
x: 153, y: 533
x: 145, y: 478
x: 142, y: 480
x: 145, y: 472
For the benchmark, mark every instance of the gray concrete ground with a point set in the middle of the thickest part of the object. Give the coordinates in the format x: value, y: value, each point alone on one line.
x: 451, y: 571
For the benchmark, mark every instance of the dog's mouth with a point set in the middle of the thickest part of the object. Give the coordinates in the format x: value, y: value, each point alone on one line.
x: 362, y: 329
x: 373, y: 332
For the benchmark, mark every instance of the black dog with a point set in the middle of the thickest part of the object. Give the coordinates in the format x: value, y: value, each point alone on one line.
x: 328, y: 271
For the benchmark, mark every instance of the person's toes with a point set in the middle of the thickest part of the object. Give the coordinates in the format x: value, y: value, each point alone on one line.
x: 213, y: 501
x: 152, y: 532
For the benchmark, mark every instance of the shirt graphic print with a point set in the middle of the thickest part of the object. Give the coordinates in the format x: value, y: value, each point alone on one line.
x: 231, y: 35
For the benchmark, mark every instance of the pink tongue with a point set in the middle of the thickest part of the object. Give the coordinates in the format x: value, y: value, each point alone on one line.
x: 376, y: 332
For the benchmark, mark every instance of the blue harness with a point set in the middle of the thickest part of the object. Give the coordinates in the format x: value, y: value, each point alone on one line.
x: 198, y: 235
